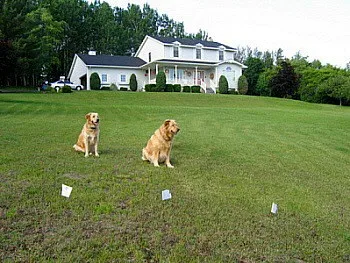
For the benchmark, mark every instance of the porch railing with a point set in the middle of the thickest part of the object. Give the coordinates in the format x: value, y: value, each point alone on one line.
x: 200, y: 82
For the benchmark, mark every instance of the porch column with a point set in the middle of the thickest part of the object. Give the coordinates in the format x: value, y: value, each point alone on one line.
x: 216, y: 77
x: 156, y: 69
x: 176, y: 74
x: 149, y: 75
x: 87, y: 78
x: 196, y: 79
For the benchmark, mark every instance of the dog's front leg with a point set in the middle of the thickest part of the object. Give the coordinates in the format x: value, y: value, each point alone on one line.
x: 167, y: 160
x: 155, y: 159
x: 95, y: 148
x: 86, y: 142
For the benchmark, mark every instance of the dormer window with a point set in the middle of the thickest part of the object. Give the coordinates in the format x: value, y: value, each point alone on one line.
x: 221, y: 53
x: 198, y: 53
x: 176, y: 50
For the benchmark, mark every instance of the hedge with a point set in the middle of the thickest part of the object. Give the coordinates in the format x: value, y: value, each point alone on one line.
x: 177, y: 88
x: 195, y: 89
x: 186, y: 89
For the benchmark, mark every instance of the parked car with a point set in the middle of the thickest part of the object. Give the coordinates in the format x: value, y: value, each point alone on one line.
x: 61, y: 83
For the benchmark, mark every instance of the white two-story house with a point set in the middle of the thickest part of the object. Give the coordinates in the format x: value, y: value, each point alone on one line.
x: 184, y: 61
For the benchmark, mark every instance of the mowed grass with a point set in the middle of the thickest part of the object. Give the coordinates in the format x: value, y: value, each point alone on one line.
x: 233, y: 157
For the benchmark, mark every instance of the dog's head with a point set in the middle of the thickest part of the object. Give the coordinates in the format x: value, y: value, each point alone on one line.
x: 171, y: 127
x: 92, y: 118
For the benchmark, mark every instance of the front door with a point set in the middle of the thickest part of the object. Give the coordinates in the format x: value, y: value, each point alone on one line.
x: 200, y: 77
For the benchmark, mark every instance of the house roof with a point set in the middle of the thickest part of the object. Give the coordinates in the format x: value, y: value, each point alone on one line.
x: 191, y: 42
x: 107, y: 60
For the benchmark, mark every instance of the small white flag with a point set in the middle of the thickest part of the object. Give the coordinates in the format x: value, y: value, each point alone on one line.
x: 166, y: 195
x: 274, y: 208
x: 66, y: 190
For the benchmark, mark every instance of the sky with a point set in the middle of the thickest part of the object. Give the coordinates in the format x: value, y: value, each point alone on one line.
x: 318, y: 29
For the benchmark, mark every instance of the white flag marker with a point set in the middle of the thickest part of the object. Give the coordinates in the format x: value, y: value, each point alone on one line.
x: 274, y: 208
x: 166, y: 195
x: 66, y: 190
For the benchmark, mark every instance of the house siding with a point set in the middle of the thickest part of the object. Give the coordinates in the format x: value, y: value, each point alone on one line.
x: 155, y: 47
x: 78, y: 70
x: 114, y: 76
x: 232, y: 72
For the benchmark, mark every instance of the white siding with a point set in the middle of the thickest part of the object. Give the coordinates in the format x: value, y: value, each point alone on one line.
x: 229, y: 55
x: 187, y: 53
x: 114, y: 76
x: 79, y: 70
x: 153, y: 46
x: 232, y: 72
x: 210, y: 55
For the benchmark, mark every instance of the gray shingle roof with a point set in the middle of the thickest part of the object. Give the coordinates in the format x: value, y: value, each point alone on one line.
x: 107, y: 60
x: 191, y: 42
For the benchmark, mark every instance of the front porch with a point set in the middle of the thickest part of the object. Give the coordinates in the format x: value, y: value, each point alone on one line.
x: 204, y: 76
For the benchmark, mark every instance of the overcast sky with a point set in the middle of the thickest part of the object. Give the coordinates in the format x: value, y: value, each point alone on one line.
x: 319, y: 29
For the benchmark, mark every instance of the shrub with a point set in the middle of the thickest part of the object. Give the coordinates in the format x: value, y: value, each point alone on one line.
x: 66, y: 89
x: 113, y: 87
x: 169, y: 88
x: 105, y: 88
x: 223, y: 85
x: 242, y: 85
x: 160, y: 81
x: 186, y: 89
x: 123, y: 89
x: 50, y: 89
x: 196, y: 89
x: 233, y: 92
x: 133, y: 82
x: 95, y: 81
x: 177, y: 88
x: 150, y: 87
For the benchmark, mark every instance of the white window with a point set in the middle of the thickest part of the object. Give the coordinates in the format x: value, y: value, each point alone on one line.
x: 176, y: 51
x: 104, y: 77
x: 198, y: 53
x: 221, y: 55
x: 122, y: 78
x: 180, y: 74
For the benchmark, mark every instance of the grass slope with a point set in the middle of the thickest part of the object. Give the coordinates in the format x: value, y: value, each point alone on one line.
x: 233, y: 157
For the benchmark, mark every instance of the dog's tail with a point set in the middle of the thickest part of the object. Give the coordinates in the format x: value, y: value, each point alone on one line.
x: 78, y: 148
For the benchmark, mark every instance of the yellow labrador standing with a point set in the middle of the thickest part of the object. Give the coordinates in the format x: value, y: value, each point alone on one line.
x: 89, y: 136
x: 159, y: 145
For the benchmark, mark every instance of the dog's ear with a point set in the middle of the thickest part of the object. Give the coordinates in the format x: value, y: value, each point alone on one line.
x: 87, y: 116
x: 166, y: 123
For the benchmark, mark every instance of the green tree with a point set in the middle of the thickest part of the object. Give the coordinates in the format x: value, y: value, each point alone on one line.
x: 76, y: 17
x: 337, y: 87
x: 242, y: 85
x: 263, y: 87
x: 39, y: 44
x: 95, y: 81
x: 255, y: 67
x: 286, y: 82
x: 160, y: 81
x: 133, y: 82
x: 223, y: 85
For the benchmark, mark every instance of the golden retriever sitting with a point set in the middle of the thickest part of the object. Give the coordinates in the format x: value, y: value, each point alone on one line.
x: 89, y: 136
x: 159, y: 145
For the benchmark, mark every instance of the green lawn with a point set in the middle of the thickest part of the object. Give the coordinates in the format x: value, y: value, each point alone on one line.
x: 233, y: 157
